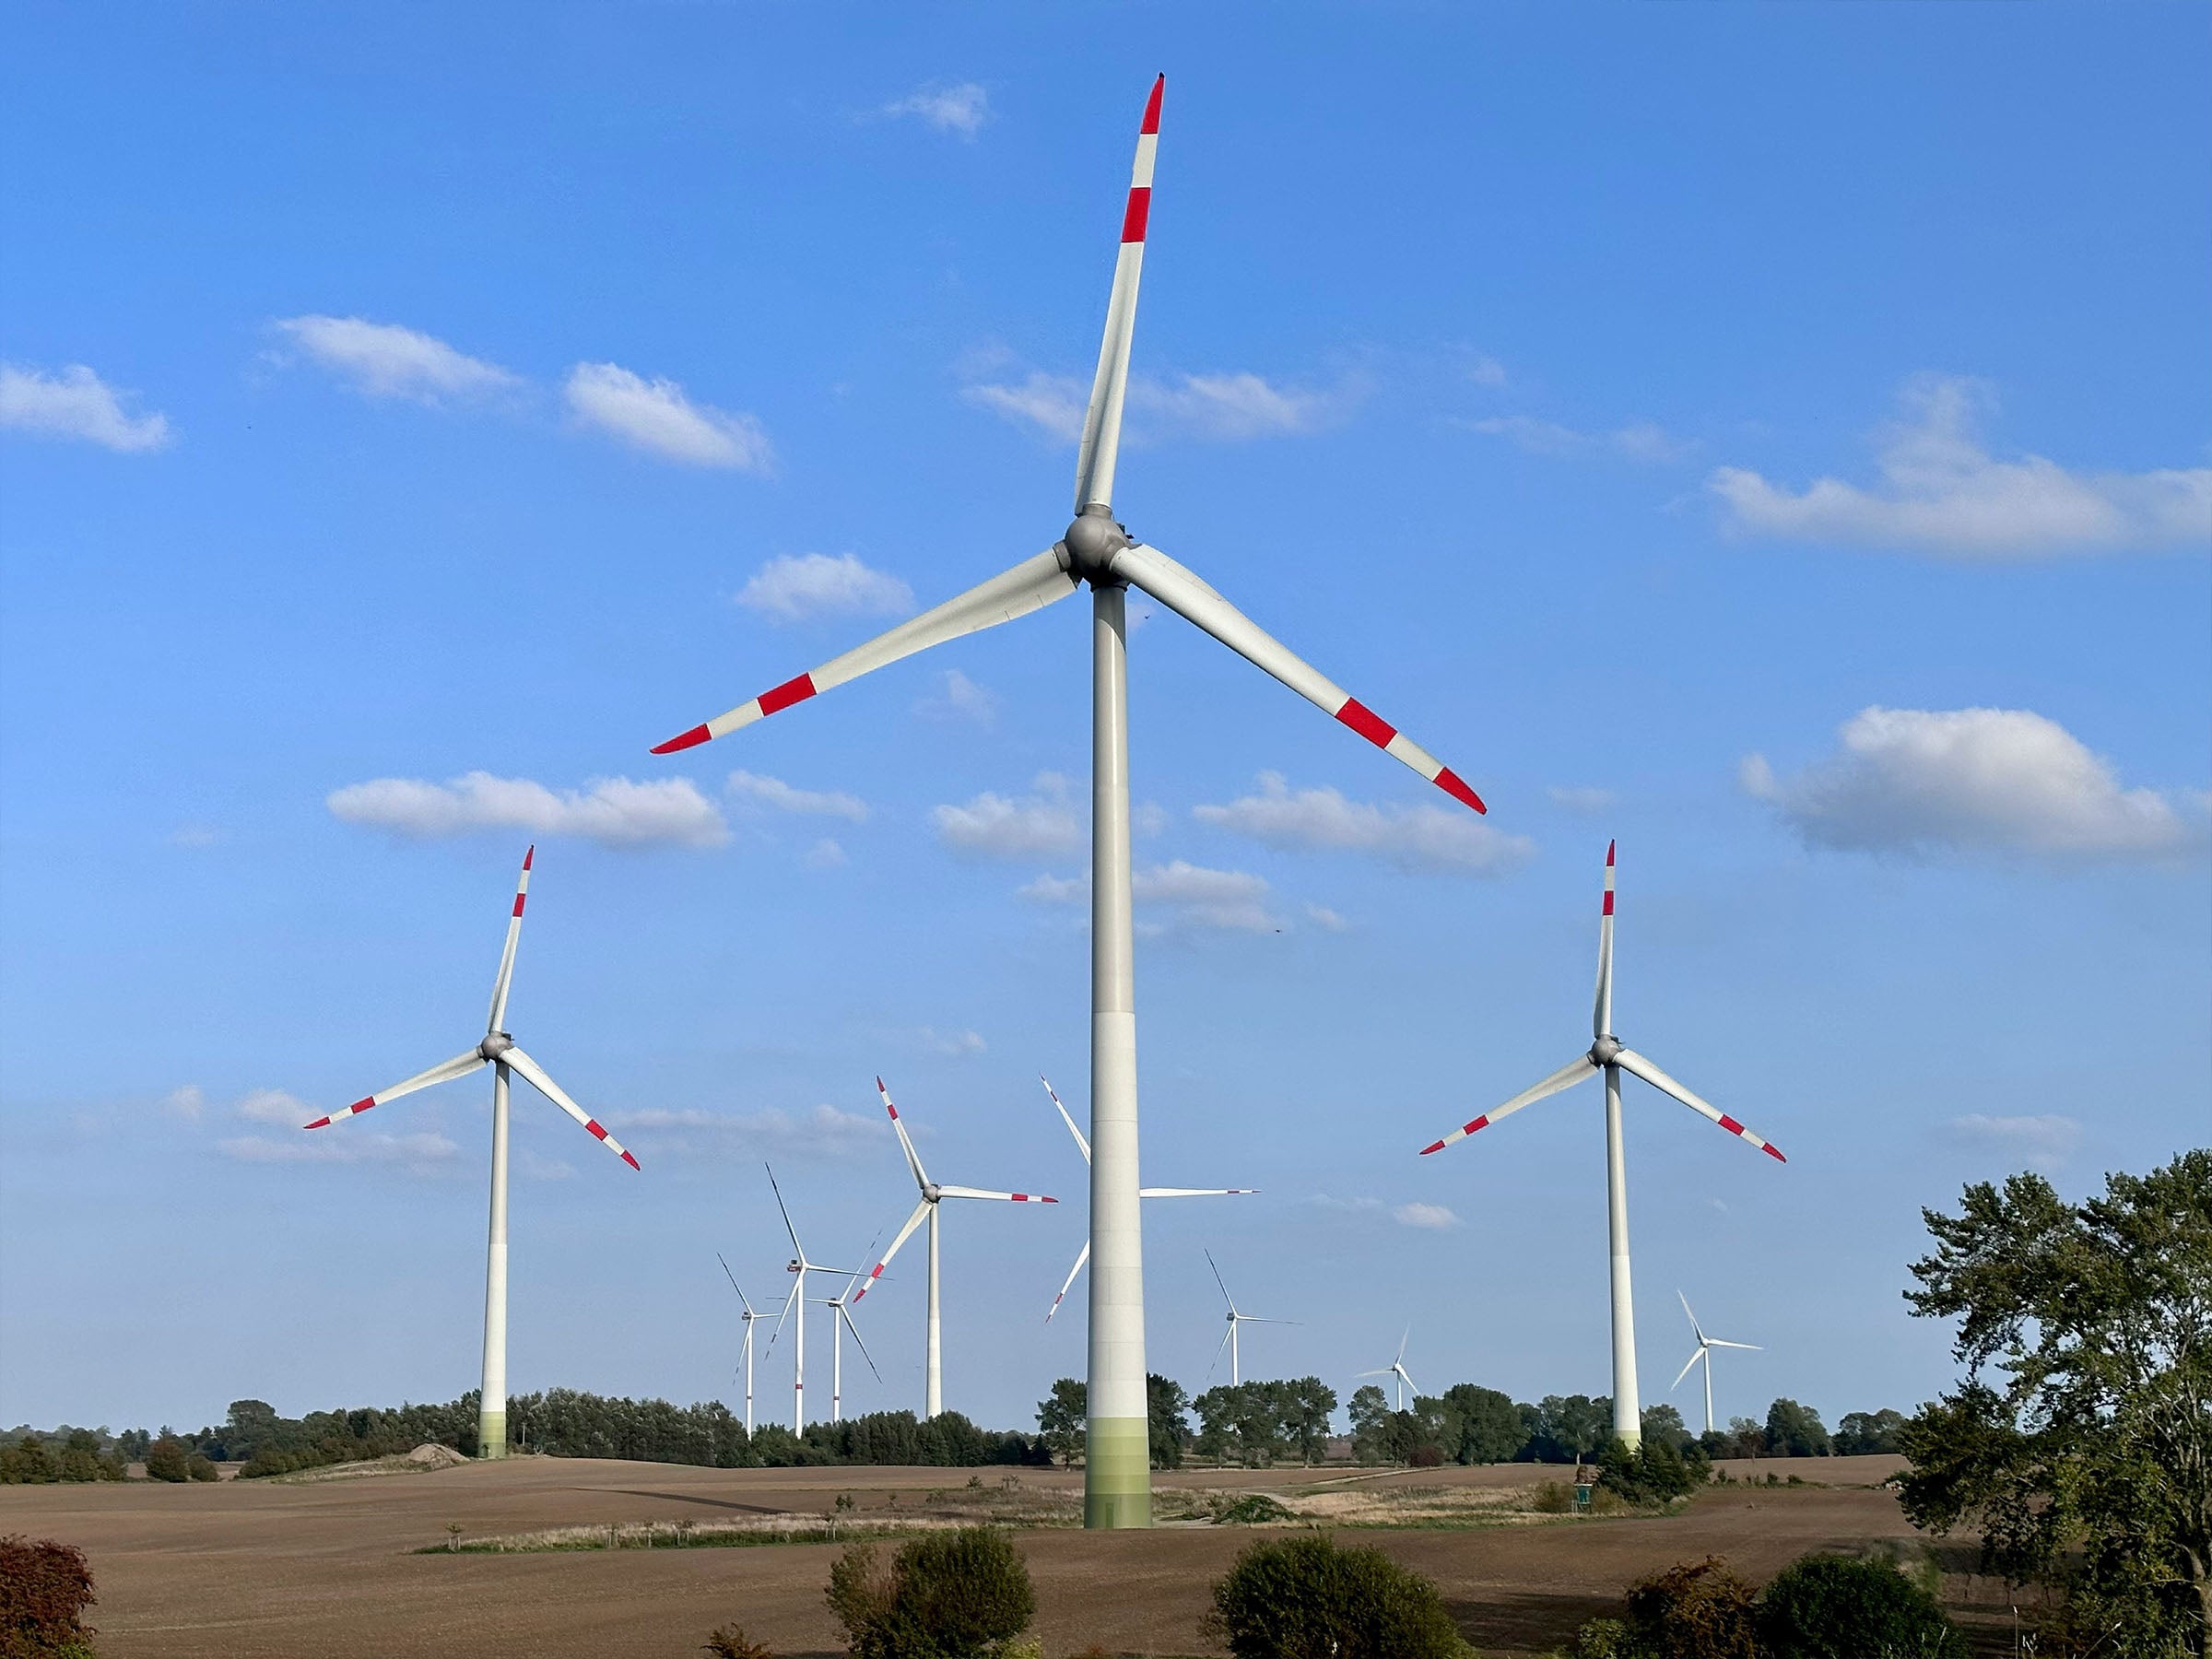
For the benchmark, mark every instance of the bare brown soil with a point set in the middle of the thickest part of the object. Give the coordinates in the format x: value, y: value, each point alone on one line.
x: 327, y: 1569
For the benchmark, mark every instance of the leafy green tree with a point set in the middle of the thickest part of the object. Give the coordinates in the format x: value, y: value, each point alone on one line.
x: 1571, y: 1427
x: 1655, y: 1472
x: 1306, y: 1598
x: 1663, y: 1422
x: 1794, y: 1430
x: 1374, y: 1437
x: 1167, y: 1409
x: 1698, y: 1610
x: 1832, y: 1607
x: 957, y: 1594
x: 1309, y: 1406
x: 28, y: 1462
x: 2080, y: 1442
x: 166, y: 1459
x: 1861, y: 1433
x: 198, y: 1467
x: 1064, y: 1419
x: 1482, y: 1425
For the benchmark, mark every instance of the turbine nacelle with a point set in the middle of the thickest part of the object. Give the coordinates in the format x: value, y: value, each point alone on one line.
x: 1605, y: 1050
x: 495, y: 1044
x: 1092, y: 542
x: 932, y: 1192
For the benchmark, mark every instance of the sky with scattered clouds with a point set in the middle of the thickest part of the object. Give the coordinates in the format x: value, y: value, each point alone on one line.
x: 1796, y: 465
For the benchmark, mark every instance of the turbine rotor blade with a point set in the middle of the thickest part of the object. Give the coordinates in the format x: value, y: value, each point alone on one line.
x: 1630, y: 1061
x: 732, y: 1278
x: 1601, y: 1014
x: 789, y: 1297
x: 459, y: 1066
x: 1749, y: 1347
x: 1687, y: 1366
x: 1070, y: 1122
x: 905, y: 1232
x: 798, y: 1249
x: 845, y: 1313
x: 1194, y: 1191
x: 961, y: 1191
x: 1102, y: 419
x: 553, y: 1091
x: 1189, y: 597
x: 1029, y: 585
x: 1225, y: 1295
x: 1573, y: 1072
x: 1082, y: 1258
x: 514, y: 934
x: 1693, y: 1318
x: 913, y: 1158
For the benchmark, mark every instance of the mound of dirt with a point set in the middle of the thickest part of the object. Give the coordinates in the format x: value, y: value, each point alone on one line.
x: 436, y: 1457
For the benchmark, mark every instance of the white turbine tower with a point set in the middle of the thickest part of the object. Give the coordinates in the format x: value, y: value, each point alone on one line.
x: 1704, y: 1352
x: 1608, y: 1055
x: 497, y: 1050
x: 1396, y: 1369
x: 838, y: 1328
x: 933, y: 1195
x: 799, y: 1267
x: 1236, y: 1318
x: 748, y: 1319
x: 1083, y: 1147
x: 1100, y: 551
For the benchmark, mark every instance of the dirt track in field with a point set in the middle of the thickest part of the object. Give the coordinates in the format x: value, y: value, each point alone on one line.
x: 323, y: 1570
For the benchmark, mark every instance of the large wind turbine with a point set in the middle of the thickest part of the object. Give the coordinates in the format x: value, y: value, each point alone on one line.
x: 799, y: 1266
x: 1236, y: 1318
x: 838, y: 1325
x: 1098, y: 550
x: 748, y: 1319
x: 931, y: 1195
x: 1083, y: 1147
x: 1396, y: 1369
x: 497, y: 1050
x: 1608, y: 1055
x: 1704, y: 1352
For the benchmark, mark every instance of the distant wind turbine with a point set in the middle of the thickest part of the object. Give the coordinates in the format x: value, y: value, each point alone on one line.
x: 1236, y: 1318
x: 800, y: 1267
x: 499, y: 1052
x: 1704, y: 1351
x: 838, y: 1328
x: 1396, y: 1369
x: 1608, y: 1055
x: 748, y: 1319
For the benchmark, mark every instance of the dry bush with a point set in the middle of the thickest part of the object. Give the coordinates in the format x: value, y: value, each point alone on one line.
x: 44, y: 1590
x: 731, y: 1643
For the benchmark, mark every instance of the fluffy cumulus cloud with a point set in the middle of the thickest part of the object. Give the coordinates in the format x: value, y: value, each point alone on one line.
x: 961, y: 107
x: 1964, y: 781
x: 1940, y: 490
x: 1226, y: 407
x: 1041, y: 824
x: 824, y: 1131
x: 2045, y: 1141
x: 1638, y: 440
x: 1422, y: 838
x: 1180, y: 896
x: 797, y: 587
x: 187, y: 1102
x: 657, y: 416
x: 77, y: 404
x: 614, y: 812
x: 385, y: 359
x: 763, y: 791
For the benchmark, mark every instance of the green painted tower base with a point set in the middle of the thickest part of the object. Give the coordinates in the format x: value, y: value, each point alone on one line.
x: 491, y: 1434
x: 1117, y: 1474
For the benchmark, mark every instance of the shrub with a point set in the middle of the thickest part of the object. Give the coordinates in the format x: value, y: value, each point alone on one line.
x: 45, y: 1589
x: 197, y: 1468
x: 1254, y: 1509
x: 166, y: 1459
x: 1698, y: 1610
x: 730, y: 1642
x: 1831, y: 1607
x: 1304, y: 1598
x: 961, y: 1594
x: 27, y: 1463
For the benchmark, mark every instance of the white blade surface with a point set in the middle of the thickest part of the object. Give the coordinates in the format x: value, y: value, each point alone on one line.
x: 961, y: 1191
x: 797, y: 1249
x: 913, y: 1158
x: 1601, y: 1014
x: 514, y: 934
x: 1687, y: 1364
x: 732, y: 1278
x: 1102, y: 420
x: 1194, y: 1191
x: 1081, y: 1143
x: 1225, y: 1295
x: 906, y: 1232
x: 790, y: 1297
x: 1749, y: 1347
x: 1682, y: 1298
x: 1573, y: 1072
x: 1029, y: 585
x: 1083, y: 1256
x: 553, y: 1092
x: 1184, y: 593
x: 845, y: 1313
x: 459, y: 1066
x: 1629, y: 1060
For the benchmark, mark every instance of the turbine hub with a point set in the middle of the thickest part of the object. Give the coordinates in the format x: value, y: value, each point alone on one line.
x: 1602, y: 1051
x: 933, y: 1191
x: 495, y: 1044
x: 1092, y: 542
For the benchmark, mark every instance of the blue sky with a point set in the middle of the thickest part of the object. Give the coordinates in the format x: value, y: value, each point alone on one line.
x: 1774, y: 436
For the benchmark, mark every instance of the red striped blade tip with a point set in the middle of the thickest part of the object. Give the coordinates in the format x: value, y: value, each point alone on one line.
x: 1152, y: 106
x: 1453, y: 785
x: 529, y: 853
x: 632, y: 1162
x: 1433, y: 1147
x: 1774, y: 1152
x: 321, y: 1123
x: 691, y: 739
x: 1609, y: 847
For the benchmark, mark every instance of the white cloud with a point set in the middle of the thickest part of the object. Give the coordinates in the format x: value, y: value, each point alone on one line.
x: 275, y: 1106
x: 424, y: 1152
x: 658, y: 416
x: 1226, y: 407
x: 961, y: 107
x: 1421, y: 838
x: 1974, y: 779
x: 1233, y: 900
x: 75, y: 403
x: 1487, y: 371
x: 1147, y: 817
x: 825, y: 855
x: 956, y: 1045
x: 797, y: 587
x: 537, y: 1167
x: 384, y: 359
x: 1327, y: 920
x: 614, y: 812
x: 958, y: 698
x: 1055, y: 889
x: 2045, y: 1141
x: 1941, y: 491
x: 824, y: 1131
x: 1580, y: 798
x: 1434, y: 1217
x: 1638, y: 440
x: 1039, y: 825
x: 774, y: 791
x: 187, y: 1102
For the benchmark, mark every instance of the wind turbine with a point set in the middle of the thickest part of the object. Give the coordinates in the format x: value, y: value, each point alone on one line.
x: 800, y: 1267
x: 1704, y: 1351
x: 931, y: 1195
x: 1396, y: 1369
x: 499, y: 1052
x: 1083, y: 1146
x: 748, y: 1319
x: 1228, y: 1338
x: 838, y: 1328
x: 1608, y: 1055
x: 1097, y: 549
